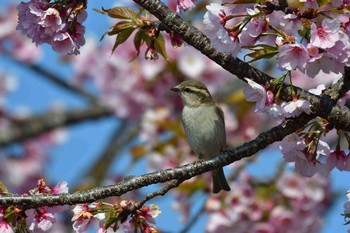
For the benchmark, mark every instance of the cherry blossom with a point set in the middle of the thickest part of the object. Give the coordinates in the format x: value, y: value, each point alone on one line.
x: 12, y: 41
x: 256, y: 93
x: 45, y: 24
x: 42, y: 219
x: 244, y: 209
x: 295, y: 108
x: 294, y: 149
x: 326, y: 36
x: 184, y: 5
x: 289, y: 23
x: 292, y: 56
x: 214, y: 21
x: 82, y: 215
x: 4, y: 225
x: 337, y: 159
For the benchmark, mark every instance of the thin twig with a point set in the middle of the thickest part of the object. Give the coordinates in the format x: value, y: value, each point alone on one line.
x: 161, y: 192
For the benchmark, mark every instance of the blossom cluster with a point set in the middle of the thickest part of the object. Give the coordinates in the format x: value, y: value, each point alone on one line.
x: 323, y: 30
x: 292, y: 204
x: 268, y: 103
x: 12, y: 42
x: 40, y: 219
x: 53, y: 23
x: 307, y: 151
x: 117, y: 216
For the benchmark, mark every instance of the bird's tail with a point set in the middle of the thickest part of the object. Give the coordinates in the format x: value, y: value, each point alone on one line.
x: 219, y: 181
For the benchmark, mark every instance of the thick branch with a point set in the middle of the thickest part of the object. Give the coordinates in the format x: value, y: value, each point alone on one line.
x: 43, y: 123
x: 180, y: 173
x: 323, y: 106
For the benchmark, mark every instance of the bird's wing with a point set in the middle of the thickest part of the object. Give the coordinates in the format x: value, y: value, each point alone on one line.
x: 221, y: 118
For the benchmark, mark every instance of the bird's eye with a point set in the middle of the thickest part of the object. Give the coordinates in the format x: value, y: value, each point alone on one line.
x: 188, y: 89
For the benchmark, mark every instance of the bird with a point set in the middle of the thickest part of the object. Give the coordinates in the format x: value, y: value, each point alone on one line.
x: 204, y: 125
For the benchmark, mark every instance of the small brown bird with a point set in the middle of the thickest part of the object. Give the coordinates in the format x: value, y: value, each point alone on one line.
x: 204, y: 126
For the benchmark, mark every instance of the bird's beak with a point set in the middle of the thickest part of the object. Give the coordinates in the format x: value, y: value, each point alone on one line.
x: 175, y: 89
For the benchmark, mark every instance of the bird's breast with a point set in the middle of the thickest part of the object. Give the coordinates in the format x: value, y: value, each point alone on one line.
x: 205, y: 130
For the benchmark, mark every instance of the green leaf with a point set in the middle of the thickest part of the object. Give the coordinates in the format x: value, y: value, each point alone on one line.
x: 323, y: 2
x: 119, y: 27
x: 122, y: 13
x: 159, y: 44
x: 261, y: 51
x: 139, y: 39
x: 122, y: 37
x: 3, y: 188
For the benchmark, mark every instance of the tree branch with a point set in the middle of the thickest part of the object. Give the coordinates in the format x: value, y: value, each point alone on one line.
x: 181, y: 173
x: 324, y: 106
x: 39, y: 124
x: 170, y: 185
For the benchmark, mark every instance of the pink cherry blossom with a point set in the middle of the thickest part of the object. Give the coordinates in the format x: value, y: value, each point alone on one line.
x: 45, y: 24
x: 341, y: 49
x: 337, y: 159
x: 282, y: 218
x: 289, y: 23
x: 215, y: 20
x: 318, y: 90
x: 184, y: 5
x: 295, y: 108
x: 82, y: 215
x: 293, y: 149
x: 150, y: 213
x: 50, y: 20
x: 243, y: 210
x: 292, y: 56
x: 291, y: 185
x: 326, y: 36
x: 12, y: 41
x: 252, y: 31
x: 256, y: 93
x: 324, y: 65
x: 42, y: 219
x: 308, y: 168
x: 61, y: 187
x: 4, y: 225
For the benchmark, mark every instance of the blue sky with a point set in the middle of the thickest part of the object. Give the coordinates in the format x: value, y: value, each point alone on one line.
x: 93, y: 137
